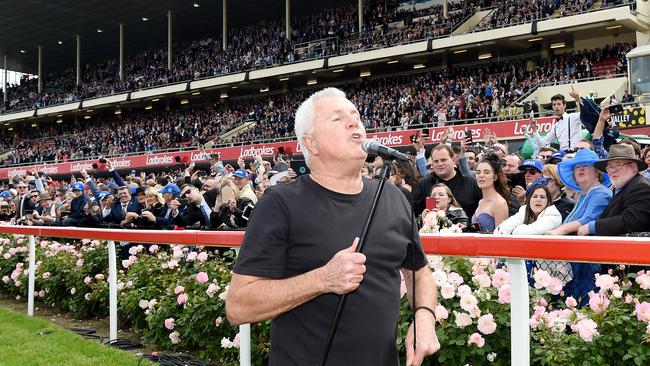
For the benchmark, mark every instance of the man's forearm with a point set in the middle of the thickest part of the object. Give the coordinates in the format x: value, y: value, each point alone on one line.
x: 426, y: 293
x: 262, y: 299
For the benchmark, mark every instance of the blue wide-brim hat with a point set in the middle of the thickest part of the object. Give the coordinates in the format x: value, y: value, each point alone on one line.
x: 582, y: 157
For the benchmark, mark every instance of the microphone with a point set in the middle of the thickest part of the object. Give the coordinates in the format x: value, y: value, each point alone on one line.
x: 373, y: 147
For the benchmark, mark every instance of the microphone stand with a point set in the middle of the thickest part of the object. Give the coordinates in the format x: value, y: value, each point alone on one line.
x: 385, y: 172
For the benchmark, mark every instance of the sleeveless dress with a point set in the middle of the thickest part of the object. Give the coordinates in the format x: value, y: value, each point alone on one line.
x: 485, y: 223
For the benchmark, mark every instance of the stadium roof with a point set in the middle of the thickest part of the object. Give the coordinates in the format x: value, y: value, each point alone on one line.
x: 26, y: 24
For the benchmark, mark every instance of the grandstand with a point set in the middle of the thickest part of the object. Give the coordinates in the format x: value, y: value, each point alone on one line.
x: 443, y: 59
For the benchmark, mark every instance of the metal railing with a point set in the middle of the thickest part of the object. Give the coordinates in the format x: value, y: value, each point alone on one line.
x: 514, y: 248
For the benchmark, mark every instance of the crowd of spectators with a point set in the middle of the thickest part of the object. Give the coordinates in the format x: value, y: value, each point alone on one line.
x: 485, y: 91
x: 330, y: 32
x: 598, y: 187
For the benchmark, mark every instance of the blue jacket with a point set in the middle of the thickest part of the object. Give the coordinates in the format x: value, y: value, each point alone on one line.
x: 77, y: 207
x: 588, y: 208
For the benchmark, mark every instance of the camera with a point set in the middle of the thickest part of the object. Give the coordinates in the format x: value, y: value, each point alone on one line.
x: 183, y: 201
x: 615, y: 108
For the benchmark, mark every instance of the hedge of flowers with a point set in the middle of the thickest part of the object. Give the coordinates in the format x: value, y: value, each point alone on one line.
x: 174, y: 297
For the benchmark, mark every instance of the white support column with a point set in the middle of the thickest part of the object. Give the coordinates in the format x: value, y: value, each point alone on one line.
x: 245, y: 345
x: 445, y: 9
x: 121, y: 72
x: 360, y: 15
x: 169, y: 39
x: 643, y: 12
x: 40, y: 69
x: 112, y: 290
x: 4, y: 84
x: 31, y: 275
x: 287, y: 18
x: 78, y: 60
x: 244, y: 339
x: 224, y: 28
x: 519, y: 313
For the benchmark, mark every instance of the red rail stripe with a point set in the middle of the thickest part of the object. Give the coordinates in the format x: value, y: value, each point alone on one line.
x: 567, y: 248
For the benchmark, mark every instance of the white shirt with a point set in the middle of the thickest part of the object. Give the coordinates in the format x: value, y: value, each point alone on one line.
x: 567, y: 131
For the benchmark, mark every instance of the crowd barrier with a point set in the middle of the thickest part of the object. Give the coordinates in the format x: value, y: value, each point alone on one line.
x: 514, y: 248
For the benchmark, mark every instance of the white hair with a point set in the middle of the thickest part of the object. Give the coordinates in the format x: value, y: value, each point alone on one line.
x: 304, y: 122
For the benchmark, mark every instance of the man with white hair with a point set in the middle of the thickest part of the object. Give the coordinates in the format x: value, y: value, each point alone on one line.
x: 629, y: 209
x: 299, y: 253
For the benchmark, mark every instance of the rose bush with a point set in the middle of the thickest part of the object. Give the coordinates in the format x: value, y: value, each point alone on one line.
x: 175, y: 297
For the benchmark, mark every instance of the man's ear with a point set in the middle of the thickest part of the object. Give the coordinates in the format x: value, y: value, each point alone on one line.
x: 310, y: 144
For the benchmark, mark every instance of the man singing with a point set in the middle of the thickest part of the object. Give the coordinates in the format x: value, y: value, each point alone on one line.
x: 299, y: 253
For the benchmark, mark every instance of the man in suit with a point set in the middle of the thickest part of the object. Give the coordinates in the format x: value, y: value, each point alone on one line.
x: 629, y: 209
x: 197, y: 211
x: 21, y: 198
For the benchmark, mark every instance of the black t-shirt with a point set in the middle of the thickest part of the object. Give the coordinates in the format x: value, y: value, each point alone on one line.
x: 298, y: 227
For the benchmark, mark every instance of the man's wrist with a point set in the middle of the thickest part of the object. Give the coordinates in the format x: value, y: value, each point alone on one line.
x: 426, y: 310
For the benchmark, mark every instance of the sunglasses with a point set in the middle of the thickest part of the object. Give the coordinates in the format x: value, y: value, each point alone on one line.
x: 35, y: 196
x: 531, y: 171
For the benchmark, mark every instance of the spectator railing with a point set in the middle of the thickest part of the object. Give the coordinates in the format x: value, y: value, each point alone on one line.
x: 514, y: 248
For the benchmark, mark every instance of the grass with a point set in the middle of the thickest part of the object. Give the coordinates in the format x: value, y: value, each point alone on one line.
x: 21, y: 345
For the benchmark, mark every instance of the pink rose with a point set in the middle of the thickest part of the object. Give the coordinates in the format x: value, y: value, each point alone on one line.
x: 476, y: 339
x: 586, y: 329
x: 555, y: 287
x: 201, y: 277
x: 504, y: 294
x: 447, y: 291
x: 182, y: 298
x: 500, y: 278
x: 218, y: 321
x: 642, y: 311
x: 482, y: 280
x: 455, y: 279
x: 191, y: 256
x: 486, y: 324
x: 153, y: 249
x: 169, y: 323
x: 542, y: 279
x: 126, y: 263
x: 629, y: 298
x: 441, y: 313
x: 571, y: 302
x: 172, y: 264
x: 643, y: 280
x: 202, y: 257
x: 175, y: 337
x: 463, y: 320
x: 598, y: 303
x: 88, y: 280
x: 605, y: 282
x: 468, y: 302
x: 439, y: 277
x: 179, y: 289
x: 475, y: 312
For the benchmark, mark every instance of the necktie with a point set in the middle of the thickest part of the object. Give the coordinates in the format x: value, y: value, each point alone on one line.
x: 206, y: 217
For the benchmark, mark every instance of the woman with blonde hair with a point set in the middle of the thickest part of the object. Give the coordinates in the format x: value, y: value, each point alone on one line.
x: 555, y: 186
x: 447, y: 210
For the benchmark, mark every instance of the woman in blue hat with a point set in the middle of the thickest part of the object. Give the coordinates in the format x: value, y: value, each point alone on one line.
x: 580, y: 175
